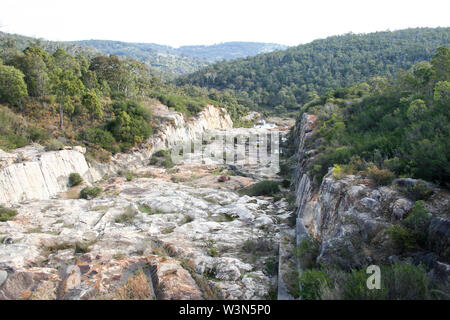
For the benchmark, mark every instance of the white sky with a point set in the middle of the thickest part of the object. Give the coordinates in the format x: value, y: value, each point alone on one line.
x: 189, y: 22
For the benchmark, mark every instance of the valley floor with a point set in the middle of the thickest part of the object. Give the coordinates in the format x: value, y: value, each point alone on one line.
x: 166, y: 234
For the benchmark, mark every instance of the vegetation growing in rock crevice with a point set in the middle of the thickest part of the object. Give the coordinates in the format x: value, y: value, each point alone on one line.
x: 75, y: 179
x: 412, y: 233
x: 263, y: 188
x: 6, y: 214
x: 90, y: 193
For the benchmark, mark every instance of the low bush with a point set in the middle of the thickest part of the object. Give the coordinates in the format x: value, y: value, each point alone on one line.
x: 75, y: 179
x: 6, y: 214
x: 412, y: 233
x: 418, y: 221
x: 271, y: 266
x: 307, y: 252
x: 381, y: 177
x: 162, y: 158
x: 90, y: 193
x: 399, y: 281
x: 355, y: 287
x: 402, y: 237
x: 263, y: 188
x: 420, y: 191
x: 405, y: 281
x: 101, y: 138
x: 82, y: 247
x: 311, y: 282
x: 54, y: 145
x: 36, y: 134
x: 128, y: 174
x: 286, y: 183
x: 136, y: 288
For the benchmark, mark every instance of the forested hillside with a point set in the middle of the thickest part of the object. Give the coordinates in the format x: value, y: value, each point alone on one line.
x: 21, y: 42
x: 103, y: 101
x: 163, y: 58
x: 229, y: 50
x: 185, y: 59
x: 386, y: 129
x: 283, y: 80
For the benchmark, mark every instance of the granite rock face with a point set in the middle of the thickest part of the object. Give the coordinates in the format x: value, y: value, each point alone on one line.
x: 350, y: 216
x: 167, y: 234
x: 188, y: 244
x: 41, y: 177
x: 30, y: 174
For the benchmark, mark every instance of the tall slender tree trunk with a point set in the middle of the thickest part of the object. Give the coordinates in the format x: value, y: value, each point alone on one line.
x: 61, y: 118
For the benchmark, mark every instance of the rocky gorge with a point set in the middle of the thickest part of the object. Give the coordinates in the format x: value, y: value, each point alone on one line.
x: 188, y: 231
x: 351, y: 217
x: 166, y: 233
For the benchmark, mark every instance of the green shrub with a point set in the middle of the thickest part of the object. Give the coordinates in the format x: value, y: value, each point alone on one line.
x: 75, y: 179
x: 54, y: 145
x: 130, y: 126
x: 90, y: 193
x: 404, y: 281
x: 6, y: 214
x: 101, y: 138
x: 381, y: 177
x: 286, y: 183
x: 420, y: 191
x: 184, y: 104
x: 402, y: 237
x: 271, y: 266
x: 307, y: 252
x: 82, y: 247
x: 36, y: 134
x: 355, y: 287
x: 162, y: 158
x: 418, y: 222
x: 263, y: 188
x: 128, y: 174
x: 311, y: 282
x: 11, y: 130
x: 413, y: 231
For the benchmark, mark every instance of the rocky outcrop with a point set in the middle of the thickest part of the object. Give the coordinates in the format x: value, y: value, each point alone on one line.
x: 31, y: 174
x: 174, y: 129
x: 350, y: 216
x: 40, y: 175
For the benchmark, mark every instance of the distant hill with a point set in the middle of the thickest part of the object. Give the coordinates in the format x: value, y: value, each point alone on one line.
x: 185, y: 59
x: 283, y: 80
x: 165, y: 60
x: 229, y: 50
x: 22, y: 42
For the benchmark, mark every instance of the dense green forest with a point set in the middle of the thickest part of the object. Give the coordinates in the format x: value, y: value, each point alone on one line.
x: 386, y: 129
x: 103, y: 102
x: 281, y: 81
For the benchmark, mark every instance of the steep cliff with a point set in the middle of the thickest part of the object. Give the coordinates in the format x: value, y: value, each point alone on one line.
x: 351, y: 216
x: 174, y: 129
x: 38, y: 176
x: 32, y: 174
